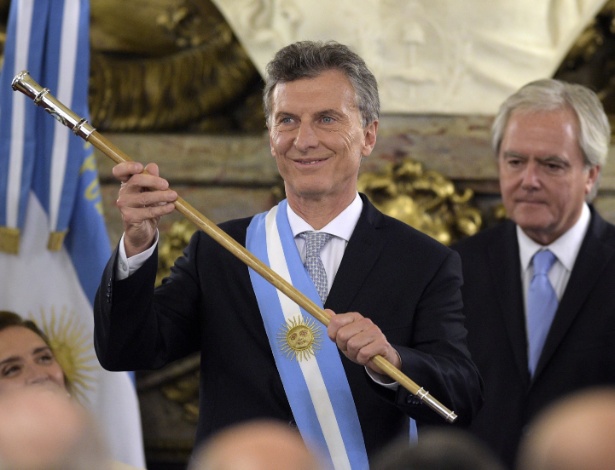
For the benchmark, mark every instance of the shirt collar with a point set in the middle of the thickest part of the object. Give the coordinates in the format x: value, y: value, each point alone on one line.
x: 565, y: 248
x: 342, y: 226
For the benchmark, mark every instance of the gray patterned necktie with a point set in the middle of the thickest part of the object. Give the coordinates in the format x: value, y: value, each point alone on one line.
x: 314, y: 241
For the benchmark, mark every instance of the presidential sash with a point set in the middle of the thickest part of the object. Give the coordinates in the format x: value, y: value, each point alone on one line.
x: 308, y: 362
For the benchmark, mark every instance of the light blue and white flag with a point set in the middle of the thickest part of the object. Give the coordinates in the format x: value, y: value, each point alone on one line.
x: 53, y: 239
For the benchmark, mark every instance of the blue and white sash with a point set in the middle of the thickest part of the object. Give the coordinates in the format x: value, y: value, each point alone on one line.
x: 312, y: 374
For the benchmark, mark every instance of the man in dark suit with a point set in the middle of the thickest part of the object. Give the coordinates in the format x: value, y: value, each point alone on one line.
x: 396, y: 292
x: 551, y: 140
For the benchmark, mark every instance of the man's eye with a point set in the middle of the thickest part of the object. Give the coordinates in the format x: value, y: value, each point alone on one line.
x: 328, y: 119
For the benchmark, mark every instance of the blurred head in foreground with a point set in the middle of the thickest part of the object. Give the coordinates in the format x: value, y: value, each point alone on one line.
x: 575, y: 433
x: 438, y: 449
x: 43, y: 429
x: 255, y: 445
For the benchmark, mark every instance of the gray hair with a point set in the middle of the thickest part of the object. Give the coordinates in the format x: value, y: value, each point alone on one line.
x: 550, y: 94
x: 308, y: 59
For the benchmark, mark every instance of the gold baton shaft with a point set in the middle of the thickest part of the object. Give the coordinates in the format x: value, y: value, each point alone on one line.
x: 24, y: 83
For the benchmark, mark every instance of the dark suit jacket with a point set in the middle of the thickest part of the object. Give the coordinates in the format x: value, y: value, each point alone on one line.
x: 405, y: 281
x: 579, y: 351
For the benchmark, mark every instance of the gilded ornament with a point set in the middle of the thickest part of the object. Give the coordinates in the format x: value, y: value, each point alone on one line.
x: 299, y: 338
x: 425, y: 200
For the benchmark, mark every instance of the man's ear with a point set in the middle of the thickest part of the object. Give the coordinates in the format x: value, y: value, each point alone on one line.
x: 369, y: 138
x: 271, y: 148
x: 592, y: 178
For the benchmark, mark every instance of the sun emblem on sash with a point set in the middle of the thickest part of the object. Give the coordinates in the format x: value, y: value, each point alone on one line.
x: 299, y: 338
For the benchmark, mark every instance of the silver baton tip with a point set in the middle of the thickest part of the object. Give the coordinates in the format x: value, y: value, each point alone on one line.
x: 19, y: 78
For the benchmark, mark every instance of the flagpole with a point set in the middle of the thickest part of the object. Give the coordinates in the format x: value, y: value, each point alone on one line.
x: 24, y: 83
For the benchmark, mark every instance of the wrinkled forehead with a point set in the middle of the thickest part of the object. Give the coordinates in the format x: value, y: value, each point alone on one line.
x: 560, y: 125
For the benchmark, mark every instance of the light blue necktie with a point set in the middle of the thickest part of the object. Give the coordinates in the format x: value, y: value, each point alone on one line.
x: 541, y: 306
x: 314, y: 241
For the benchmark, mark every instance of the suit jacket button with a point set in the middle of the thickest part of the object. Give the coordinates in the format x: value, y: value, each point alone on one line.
x: 413, y: 400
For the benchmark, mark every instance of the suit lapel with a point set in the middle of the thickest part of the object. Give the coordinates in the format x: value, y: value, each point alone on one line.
x: 361, y: 253
x: 505, y: 270
x: 593, y: 256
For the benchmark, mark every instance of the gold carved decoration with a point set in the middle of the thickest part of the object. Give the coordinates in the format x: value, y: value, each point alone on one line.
x: 170, y: 65
x: 171, y: 246
x: 166, y: 65
x: 591, y: 59
x: 178, y: 383
x: 426, y: 200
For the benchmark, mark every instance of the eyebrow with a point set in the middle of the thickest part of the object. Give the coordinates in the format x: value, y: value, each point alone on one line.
x: 284, y: 113
x: 510, y: 153
x: 330, y: 111
x: 513, y: 154
x: 322, y: 112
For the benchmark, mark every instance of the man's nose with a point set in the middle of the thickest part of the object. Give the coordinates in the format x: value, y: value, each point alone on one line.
x: 306, y: 137
x: 530, y: 176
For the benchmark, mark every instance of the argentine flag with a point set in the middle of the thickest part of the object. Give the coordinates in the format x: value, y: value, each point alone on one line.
x: 53, y: 240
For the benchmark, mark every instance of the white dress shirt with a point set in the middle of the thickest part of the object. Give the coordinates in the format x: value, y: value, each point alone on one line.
x: 565, y: 248
x: 341, y: 228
